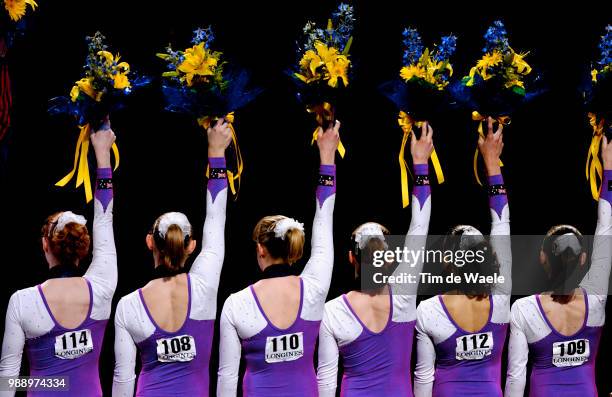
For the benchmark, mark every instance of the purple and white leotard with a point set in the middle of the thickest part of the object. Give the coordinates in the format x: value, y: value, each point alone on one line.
x: 53, y: 350
x: 280, y: 362
x: 176, y: 363
x: 375, y: 363
x: 447, y: 365
x: 563, y: 366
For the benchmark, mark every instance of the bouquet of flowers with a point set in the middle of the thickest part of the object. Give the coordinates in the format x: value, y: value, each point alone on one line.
x: 324, y: 66
x: 496, y: 86
x: 599, y: 105
x: 11, y: 25
x: 420, y: 92
x: 102, y: 90
x: 198, y: 85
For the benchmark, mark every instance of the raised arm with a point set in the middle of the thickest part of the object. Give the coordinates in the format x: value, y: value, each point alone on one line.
x: 209, y: 262
x: 426, y: 360
x: 124, y: 376
x: 518, y: 355
x: 327, y: 373
x: 491, y: 147
x: 102, y: 271
x: 12, y: 343
x: 416, y: 238
x: 319, y: 268
x: 596, y: 281
x: 230, y: 351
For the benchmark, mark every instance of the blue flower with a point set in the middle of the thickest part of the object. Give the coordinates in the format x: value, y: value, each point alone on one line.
x: 605, y: 46
x: 413, y: 46
x: 446, y: 48
x: 496, y: 38
x: 203, y: 35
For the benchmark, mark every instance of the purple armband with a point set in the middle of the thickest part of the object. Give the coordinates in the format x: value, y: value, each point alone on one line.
x: 497, y: 193
x: 217, y: 176
x: 606, y: 186
x: 422, y: 189
x: 326, y: 183
x: 104, y: 186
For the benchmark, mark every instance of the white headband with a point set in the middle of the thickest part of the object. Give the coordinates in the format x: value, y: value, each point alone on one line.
x: 565, y: 241
x: 470, y: 237
x: 284, y: 225
x: 367, y: 232
x: 173, y: 218
x: 67, y: 217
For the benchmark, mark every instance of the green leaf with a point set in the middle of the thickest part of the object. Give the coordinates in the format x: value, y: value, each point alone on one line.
x: 170, y: 74
x: 163, y: 56
x: 347, y: 47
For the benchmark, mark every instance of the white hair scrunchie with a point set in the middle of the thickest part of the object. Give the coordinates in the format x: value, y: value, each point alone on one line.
x: 367, y: 232
x: 173, y: 218
x: 284, y: 225
x: 565, y: 241
x: 67, y: 217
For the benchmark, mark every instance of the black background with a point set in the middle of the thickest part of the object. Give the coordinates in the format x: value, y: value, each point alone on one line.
x: 164, y: 155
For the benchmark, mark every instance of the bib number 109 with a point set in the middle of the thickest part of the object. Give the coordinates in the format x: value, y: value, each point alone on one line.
x: 571, y: 353
x: 73, y: 344
x: 287, y: 347
x: 474, y: 346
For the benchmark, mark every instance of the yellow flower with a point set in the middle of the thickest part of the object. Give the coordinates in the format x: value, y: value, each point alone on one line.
x: 337, y: 69
x: 514, y: 82
x: 74, y: 93
x: 414, y: 70
x: 84, y: 85
x: 109, y: 59
x: 327, y: 54
x: 594, y: 75
x: 121, y: 81
x: 489, y: 59
x: 198, y: 62
x: 518, y: 61
x: 17, y: 8
x: 310, y: 62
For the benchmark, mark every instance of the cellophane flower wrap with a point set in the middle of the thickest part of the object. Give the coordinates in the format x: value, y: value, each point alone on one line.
x: 497, y: 85
x: 12, y: 25
x: 197, y: 84
x: 420, y: 92
x: 324, y: 67
x: 598, y: 96
x: 104, y: 88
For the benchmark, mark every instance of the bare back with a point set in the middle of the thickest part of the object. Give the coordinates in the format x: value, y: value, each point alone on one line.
x: 167, y: 301
x: 279, y: 299
x: 567, y: 319
x: 68, y: 300
x: 373, y: 310
x: 469, y: 314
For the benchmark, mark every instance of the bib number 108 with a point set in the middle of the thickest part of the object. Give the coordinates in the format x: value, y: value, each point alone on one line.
x: 179, y: 348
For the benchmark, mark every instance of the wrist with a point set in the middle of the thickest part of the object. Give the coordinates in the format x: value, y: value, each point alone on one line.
x: 492, y: 166
x: 212, y: 152
x: 328, y: 159
x: 103, y: 160
x: 416, y: 161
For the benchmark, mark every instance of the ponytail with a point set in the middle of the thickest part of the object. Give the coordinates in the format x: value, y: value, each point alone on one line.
x: 563, y: 246
x: 171, y: 234
x: 283, y: 237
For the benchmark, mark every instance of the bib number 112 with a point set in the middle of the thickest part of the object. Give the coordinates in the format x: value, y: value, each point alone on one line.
x: 474, y: 346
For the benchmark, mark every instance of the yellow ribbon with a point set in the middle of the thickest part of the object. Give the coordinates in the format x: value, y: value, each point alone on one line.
x: 407, y: 123
x: 594, y: 168
x: 81, y: 165
x: 324, y: 112
x: 206, y: 122
x: 503, y: 120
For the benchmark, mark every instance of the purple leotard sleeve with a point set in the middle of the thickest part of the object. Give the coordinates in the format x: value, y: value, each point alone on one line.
x: 421, y: 191
x: 216, y: 185
x: 327, y: 183
x: 104, y: 186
